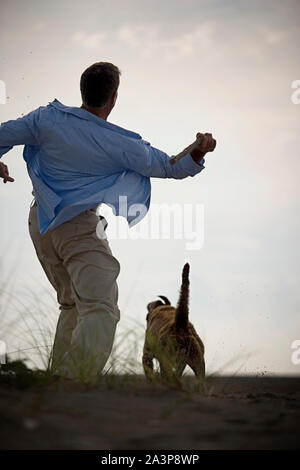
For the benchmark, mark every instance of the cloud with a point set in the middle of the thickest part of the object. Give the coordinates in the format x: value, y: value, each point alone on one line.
x: 149, y: 40
x: 138, y: 35
x: 89, y: 40
x: 39, y: 26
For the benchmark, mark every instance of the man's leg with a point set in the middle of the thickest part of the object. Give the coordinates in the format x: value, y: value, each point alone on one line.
x: 93, y: 271
x: 60, y: 280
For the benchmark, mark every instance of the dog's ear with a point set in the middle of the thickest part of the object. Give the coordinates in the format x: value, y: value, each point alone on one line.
x: 165, y: 299
x: 152, y: 305
x: 147, y: 317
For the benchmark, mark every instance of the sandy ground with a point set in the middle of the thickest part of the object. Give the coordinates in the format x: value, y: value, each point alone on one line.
x: 236, y: 413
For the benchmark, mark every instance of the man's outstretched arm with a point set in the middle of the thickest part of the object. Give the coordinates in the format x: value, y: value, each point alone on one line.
x: 153, y: 162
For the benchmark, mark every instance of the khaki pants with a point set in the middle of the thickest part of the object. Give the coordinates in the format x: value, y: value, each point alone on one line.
x: 83, y: 271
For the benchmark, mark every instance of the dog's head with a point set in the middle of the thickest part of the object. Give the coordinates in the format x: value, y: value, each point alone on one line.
x: 156, y: 303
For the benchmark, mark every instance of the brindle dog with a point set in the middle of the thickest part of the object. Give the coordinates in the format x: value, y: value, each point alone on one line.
x: 171, y: 338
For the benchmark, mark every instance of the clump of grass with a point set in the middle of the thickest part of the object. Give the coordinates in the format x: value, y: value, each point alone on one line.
x: 34, y: 325
x: 17, y: 374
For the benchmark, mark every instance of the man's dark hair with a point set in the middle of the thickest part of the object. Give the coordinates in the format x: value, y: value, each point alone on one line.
x: 98, y: 83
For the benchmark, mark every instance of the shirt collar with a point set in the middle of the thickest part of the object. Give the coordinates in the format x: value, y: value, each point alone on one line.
x: 84, y: 114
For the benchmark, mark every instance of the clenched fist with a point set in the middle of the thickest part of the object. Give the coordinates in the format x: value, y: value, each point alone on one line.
x: 206, y: 144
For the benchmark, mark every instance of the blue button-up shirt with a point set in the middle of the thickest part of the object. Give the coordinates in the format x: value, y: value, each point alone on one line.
x: 77, y: 160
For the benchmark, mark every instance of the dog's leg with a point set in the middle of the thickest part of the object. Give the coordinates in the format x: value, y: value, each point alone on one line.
x: 164, y: 372
x: 170, y: 377
x: 198, y: 367
x: 148, y: 364
x: 180, y: 369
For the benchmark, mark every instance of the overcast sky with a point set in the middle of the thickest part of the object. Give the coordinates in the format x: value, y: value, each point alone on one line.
x: 187, y: 66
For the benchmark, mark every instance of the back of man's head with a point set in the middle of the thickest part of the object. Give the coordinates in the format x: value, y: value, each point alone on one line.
x: 98, y: 83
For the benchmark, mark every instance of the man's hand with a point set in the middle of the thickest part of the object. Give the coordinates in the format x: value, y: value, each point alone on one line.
x: 207, y: 144
x: 4, y: 173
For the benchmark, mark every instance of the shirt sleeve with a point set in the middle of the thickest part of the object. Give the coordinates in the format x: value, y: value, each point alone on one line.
x: 21, y: 131
x: 153, y: 162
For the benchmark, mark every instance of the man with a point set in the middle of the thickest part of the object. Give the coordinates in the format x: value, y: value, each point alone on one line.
x: 77, y: 160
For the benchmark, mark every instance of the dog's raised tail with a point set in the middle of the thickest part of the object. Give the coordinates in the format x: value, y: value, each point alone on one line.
x: 182, y: 309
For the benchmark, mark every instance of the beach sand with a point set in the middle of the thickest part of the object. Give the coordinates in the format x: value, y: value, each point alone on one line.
x: 235, y: 413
